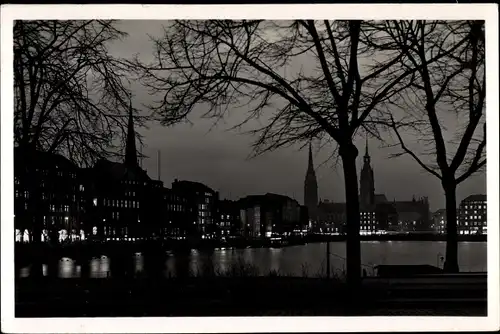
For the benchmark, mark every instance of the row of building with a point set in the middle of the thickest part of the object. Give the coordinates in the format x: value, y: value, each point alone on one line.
x: 378, y: 215
x: 471, y: 216
x: 119, y: 201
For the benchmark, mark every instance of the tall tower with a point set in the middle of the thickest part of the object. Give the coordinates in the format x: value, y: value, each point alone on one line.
x: 130, y: 149
x: 311, y: 189
x: 366, y: 182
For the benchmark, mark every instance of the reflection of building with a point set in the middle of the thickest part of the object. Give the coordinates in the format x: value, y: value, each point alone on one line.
x: 201, y: 207
x: 270, y: 214
x: 311, y: 190
x: 439, y: 221
x: 48, y: 197
x: 472, y: 215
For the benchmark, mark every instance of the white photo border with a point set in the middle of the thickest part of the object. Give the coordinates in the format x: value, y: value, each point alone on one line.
x: 10, y: 324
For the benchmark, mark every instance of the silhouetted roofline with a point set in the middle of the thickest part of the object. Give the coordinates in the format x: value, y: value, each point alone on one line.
x: 475, y: 197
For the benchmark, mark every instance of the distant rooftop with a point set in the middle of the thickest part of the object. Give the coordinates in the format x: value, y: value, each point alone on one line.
x: 191, y: 185
x: 476, y: 197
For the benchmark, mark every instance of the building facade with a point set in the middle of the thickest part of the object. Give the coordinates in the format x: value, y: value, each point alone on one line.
x: 229, y: 219
x: 174, y: 214
x: 439, y: 221
x: 270, y: 215
x: 201, y: 208
x: 332, y: 218
x: 472, y: 217
x: 49, y: 200
x: 125, y: 203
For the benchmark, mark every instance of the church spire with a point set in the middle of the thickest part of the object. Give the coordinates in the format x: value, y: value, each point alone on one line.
x: 311, y: 188
x: 366, y: 147
x: 130, y: 150
x: 367, y: 155
x: 310, y: 166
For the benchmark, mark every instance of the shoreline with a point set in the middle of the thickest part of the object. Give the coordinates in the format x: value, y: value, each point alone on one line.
x: 89, y: 249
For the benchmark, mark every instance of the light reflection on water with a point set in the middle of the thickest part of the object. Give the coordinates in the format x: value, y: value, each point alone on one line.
x: 296, y: 260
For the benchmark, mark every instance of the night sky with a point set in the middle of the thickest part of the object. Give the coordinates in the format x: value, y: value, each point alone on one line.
x: 218, y: 157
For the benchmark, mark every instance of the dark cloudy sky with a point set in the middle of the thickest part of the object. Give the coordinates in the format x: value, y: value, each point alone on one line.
x: 218, y: 157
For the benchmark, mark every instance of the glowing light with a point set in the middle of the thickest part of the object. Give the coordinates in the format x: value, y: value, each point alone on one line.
x: 26, y: 236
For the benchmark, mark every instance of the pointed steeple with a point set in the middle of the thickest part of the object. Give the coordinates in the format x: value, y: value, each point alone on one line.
x: 311, y: 188
x: 367, y: 155
x: 310, y: 166
x: 130, y: 150
x: 366, y: 147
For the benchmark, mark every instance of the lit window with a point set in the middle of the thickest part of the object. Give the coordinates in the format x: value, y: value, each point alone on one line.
x: 95, y: 201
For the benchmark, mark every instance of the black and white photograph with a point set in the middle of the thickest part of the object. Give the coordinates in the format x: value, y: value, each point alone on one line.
x: 249, y: 168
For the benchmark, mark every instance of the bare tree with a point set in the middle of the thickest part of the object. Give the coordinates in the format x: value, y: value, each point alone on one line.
x: 306, y: 79
x: 452, y: 85
x: 71, y: 97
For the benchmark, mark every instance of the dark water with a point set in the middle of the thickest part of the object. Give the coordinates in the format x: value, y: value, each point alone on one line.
x: 305, y: 260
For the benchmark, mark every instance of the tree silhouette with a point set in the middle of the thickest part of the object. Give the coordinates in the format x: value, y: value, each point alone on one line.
x: 305, y: 79
x: 454, y: 84
x: 71, y: 95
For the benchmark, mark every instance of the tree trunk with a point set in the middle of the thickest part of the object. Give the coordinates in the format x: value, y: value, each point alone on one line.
x: 451, y: 262
x: 348, y: 153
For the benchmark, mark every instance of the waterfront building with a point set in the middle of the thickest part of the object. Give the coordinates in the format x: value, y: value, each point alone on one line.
x: 49, y: 201
x: 229, y: 218
x: 412, y: 215
x: 368, y: 222
x: 201, y: 208
x: 332, y: 217
x: 305, y: 223
x: 125, y: 201
x: 377, y: 214
x: 269, y: 215
x: 439, y: 221
x: 174, y: 214
x: 311, y: 189
x: 472, y: 217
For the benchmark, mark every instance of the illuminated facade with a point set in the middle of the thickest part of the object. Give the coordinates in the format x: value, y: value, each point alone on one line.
x: 201, y: 207
x: 229, y: 218
x: 125, y: 203
x: 472, y: 218
x: 439, y: 221
x: 48, y: 198
x: 368, y: 223
x: 174, y: 214
x: 270, y: 215
x: 331, y: 218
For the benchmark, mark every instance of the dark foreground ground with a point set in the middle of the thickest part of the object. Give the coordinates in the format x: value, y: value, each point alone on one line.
x: 253, y: 296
